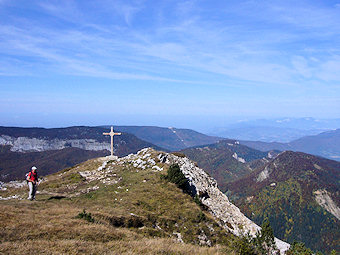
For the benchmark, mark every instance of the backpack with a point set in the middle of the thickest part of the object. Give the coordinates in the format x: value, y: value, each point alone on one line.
x: 26, y: 175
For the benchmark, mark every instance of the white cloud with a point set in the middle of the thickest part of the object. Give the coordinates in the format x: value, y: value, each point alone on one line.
x: 330, y: 70
x: 301, y: 66
x: 187, y: 43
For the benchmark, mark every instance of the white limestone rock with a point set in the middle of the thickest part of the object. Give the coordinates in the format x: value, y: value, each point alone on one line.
x: 235, y: 156
x: 325, y: 201
x: 26, y: 144
x: 263, y: 175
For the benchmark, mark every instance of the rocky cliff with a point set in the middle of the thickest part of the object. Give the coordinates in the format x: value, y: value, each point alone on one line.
x: 27, y: 144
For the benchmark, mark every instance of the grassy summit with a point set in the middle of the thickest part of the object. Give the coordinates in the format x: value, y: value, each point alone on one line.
x: 124, y: 208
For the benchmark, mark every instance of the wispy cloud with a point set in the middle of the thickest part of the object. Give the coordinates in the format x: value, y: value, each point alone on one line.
x: 263, y: 43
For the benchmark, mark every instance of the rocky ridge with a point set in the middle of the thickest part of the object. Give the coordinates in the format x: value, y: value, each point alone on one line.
x: 229, y: 216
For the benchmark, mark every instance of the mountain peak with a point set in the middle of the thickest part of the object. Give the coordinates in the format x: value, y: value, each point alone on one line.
x: 133, y: 184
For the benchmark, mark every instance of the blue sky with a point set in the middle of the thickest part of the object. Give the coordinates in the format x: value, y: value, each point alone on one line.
x: 169, y: 63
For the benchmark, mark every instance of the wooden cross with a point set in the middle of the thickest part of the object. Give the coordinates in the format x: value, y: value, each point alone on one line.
x: 112, y: 134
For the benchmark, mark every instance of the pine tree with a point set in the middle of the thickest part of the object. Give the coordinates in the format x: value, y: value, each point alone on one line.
x: 264, y: 241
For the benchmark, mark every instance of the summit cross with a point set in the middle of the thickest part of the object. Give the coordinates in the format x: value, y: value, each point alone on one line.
x: 112, y: 134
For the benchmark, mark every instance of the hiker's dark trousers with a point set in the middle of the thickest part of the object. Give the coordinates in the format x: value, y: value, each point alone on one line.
x: 33, y: 189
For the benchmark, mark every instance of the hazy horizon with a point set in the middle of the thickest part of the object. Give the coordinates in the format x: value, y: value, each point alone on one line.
x: 207, y: 126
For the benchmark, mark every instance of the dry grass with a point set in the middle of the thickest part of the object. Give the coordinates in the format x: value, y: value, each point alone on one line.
x: 144, y: 246
x: 51, y: 228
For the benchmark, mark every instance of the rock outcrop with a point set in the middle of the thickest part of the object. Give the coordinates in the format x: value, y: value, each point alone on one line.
x: 26, y: 144
x: 323, y: 198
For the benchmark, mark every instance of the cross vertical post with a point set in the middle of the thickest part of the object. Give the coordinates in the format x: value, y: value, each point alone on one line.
x: 112, y: 134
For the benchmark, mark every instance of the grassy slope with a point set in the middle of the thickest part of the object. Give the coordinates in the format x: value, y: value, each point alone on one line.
x: 138, y: 214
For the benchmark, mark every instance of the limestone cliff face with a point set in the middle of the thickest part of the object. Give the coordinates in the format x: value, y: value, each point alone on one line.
x: 323, y: 198
x: 26, y: 144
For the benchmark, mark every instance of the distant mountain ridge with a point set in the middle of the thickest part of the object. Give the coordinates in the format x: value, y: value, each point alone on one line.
x: 83, y: 137
x: 267, y: 133
x: 281, y: 130
x: 170, y: 138
x: 326, y: 144
x: 299, y: 193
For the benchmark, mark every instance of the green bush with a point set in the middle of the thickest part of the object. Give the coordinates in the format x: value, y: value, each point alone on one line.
x: 201, y: 217
x: 244, y: 246
x: 197, y: 200
x: 298, y: 248
x: 263, y: 243
x: 86, y: 216
x: 176, y: 176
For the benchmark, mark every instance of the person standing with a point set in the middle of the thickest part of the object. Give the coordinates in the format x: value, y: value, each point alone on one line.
x: 32, y: 179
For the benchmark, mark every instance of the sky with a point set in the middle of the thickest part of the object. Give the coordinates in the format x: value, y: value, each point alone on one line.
x: 181, y: 63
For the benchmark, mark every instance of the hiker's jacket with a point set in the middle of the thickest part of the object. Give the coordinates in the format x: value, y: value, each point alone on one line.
x: 33, y: 177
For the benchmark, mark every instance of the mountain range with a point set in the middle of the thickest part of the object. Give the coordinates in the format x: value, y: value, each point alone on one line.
x: 267, y: 134
x: 171, y: 138
x: 275, y: 130
x: 326, y: 144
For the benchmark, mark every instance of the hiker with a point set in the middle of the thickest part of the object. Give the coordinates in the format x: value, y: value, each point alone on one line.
x: 32, y: 179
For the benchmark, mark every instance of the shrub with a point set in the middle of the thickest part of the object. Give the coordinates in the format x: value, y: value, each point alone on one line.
x: 86, y: 216
x: 262, y: 244
x: 244, y: 247
x: 298, y: 248
x: 126, y: 222
x: 264, y: 241
x: 176, y: 176
x: 201, y: 217
x: 197, y: 200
